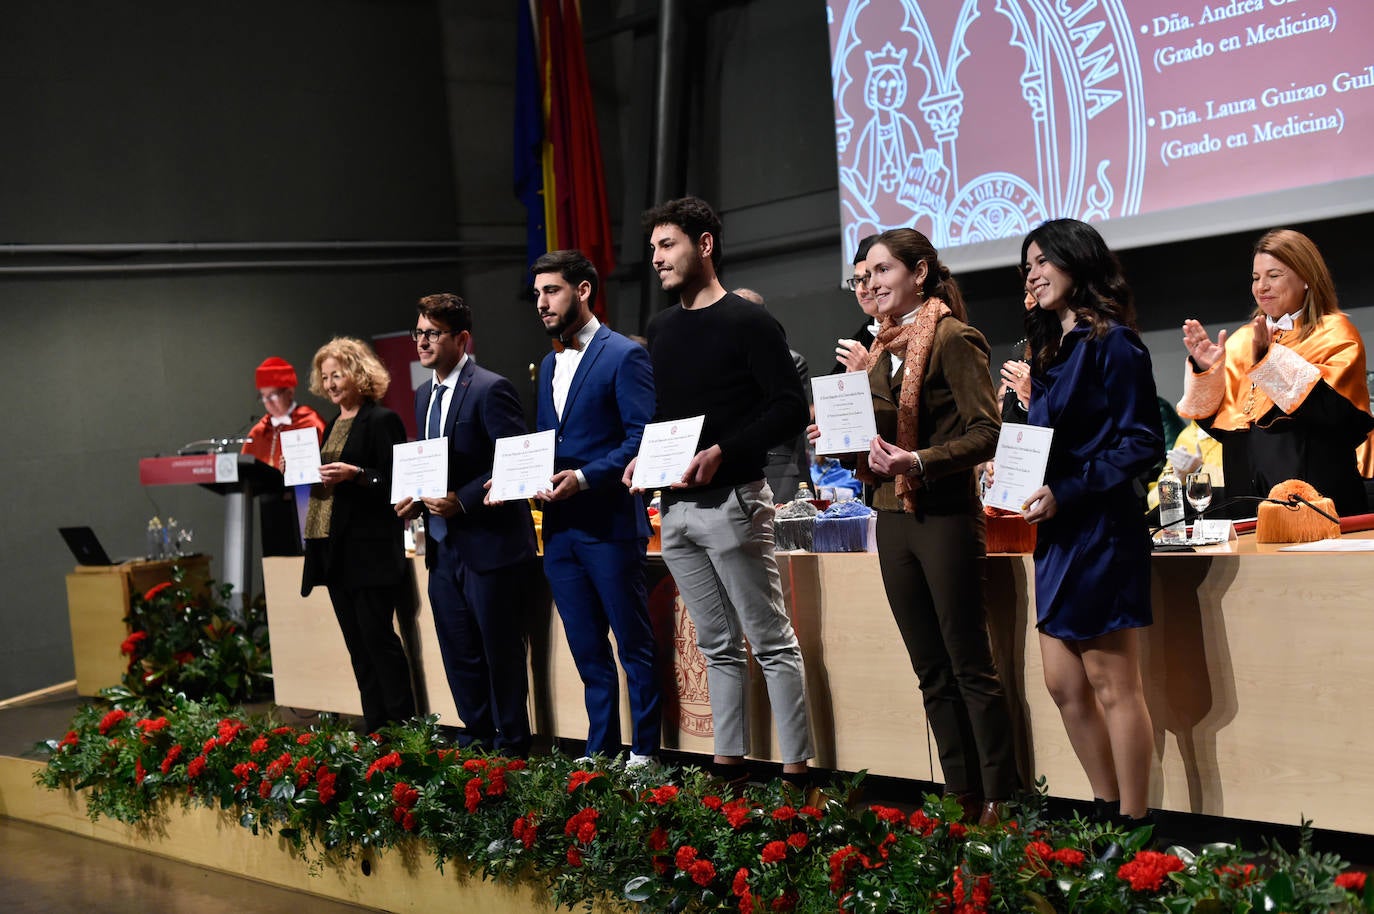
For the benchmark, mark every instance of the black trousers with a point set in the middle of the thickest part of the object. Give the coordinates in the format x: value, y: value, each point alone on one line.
x: 934, y: 582
x: 379, y: 659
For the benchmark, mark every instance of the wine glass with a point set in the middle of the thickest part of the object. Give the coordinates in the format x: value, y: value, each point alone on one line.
x: 1197, y: 488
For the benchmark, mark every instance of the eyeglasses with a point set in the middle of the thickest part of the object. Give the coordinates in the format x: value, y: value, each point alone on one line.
x: 854, y: 282
x: 429, y: 335
x: 281, y: 393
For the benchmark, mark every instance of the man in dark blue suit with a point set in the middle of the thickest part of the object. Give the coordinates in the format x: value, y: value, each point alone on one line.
x: 481, y: 558
x: 596, y: 391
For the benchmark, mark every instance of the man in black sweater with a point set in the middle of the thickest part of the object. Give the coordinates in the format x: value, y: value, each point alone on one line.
x: 716, y: 354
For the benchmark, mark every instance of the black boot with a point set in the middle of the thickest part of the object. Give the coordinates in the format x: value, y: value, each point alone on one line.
x: 1105, y: 811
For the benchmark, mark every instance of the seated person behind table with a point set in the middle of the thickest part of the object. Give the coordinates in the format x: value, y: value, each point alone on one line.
x: 1285, y: 393
x: 283, y: 513
x: 1195, y: 451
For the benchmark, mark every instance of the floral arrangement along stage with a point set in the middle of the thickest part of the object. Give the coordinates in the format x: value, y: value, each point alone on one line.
x: 654, y: 838
x: 185, y: 640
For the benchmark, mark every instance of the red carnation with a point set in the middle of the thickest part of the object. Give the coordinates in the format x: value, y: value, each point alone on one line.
x: 784, y: 814
x: 574, y: 855
x: 525, y: 828
x: 386, y: 762
x: 712, y: 802
x: 304, y: 739
x: 1351, y: 882
x: 245, y: 770
x: 156, y: 589
x: 130, y: 644
x: 922, y: 823
x: 472, y: 794
x: 325, y: 778
x: 1068, y: 856
x: 788, y: 899
x: 841, y: 862
x: 139, y: 773
x: 737, y: 812
x: 658, y: 839
x: 774, y: 852
x: 1147, y: 870
x: 579, y: 778
x: 662, y: 796
x: 798, y: 840
x: 685, y: 856
x: 582, y: 825
x: 228, y: 729
x: 889, y: 814
x: 196, y: 767
x: 111, y: 720
x: 957, y: 830
x: 474, y: 764
x: 811, y: 811
x: 258, y: 746
x: 173, y: 754
x: 497, y: 785
x: 740, y: 888
x: 1038, y: 855
x: 149, y: 726
x: 71, y: 739
x: 702, y: 872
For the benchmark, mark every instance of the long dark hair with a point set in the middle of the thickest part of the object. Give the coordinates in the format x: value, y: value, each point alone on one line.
x: 911, y: 248
x: 1100, y: 295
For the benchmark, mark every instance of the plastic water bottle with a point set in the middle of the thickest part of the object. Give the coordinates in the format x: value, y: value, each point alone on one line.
x: 1171, y: 508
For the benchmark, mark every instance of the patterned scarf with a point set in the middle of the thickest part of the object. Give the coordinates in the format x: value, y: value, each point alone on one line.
x: 911, y: 343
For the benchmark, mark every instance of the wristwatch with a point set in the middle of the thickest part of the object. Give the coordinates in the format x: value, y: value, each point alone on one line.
x: 918, y: 469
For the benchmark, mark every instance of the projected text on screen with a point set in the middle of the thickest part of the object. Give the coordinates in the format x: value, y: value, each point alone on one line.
x: 974, y: 120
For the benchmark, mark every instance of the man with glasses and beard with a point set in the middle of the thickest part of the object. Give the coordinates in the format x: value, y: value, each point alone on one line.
x: 481, y: 558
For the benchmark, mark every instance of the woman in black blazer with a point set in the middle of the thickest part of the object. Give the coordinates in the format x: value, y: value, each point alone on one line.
x: 353, y: 538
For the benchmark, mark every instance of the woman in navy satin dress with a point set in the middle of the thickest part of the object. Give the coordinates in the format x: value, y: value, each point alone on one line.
x: 1092, y: 382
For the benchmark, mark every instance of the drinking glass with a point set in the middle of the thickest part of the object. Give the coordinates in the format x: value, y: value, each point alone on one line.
x: 1197, y: 488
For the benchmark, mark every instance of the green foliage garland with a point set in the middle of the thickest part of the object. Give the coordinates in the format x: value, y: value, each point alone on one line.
x: 653, y: 839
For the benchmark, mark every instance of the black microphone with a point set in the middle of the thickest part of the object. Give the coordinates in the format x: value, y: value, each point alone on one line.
x: 1295, y: 499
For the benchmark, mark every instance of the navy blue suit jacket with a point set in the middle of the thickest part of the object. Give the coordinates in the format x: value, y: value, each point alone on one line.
x: 609, y: 402
x: 485, y: 407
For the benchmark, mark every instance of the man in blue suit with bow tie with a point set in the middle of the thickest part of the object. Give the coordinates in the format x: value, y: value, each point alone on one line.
x: 481, y: 558
x: 596, y: 391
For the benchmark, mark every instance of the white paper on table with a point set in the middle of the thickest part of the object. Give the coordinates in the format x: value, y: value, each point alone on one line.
x: 1022, y: 454
x: 300, y: 448
x: 419, y: 469
x: 844, y: 413
x: 665, y: 451
x: 1211, y: 532
x: 1332, y: 545
x: 523, y: 465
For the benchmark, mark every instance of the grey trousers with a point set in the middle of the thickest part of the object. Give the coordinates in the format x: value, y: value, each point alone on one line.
x: 718, y: 546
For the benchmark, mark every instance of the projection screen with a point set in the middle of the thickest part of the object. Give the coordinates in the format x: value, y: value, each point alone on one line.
x: 975, y: 120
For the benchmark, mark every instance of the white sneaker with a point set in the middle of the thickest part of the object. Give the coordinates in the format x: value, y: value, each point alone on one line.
x: 638, y: 761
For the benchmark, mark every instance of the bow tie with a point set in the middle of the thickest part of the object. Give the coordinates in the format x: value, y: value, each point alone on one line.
x: 560, y: 345
x: 280, y: 421
x: 1283, y: 323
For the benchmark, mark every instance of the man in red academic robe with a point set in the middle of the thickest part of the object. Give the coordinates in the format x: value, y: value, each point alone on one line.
x: 282, y: 511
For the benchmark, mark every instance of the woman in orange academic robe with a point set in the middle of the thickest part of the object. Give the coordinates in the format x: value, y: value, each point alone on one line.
x: 1285, y: 394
